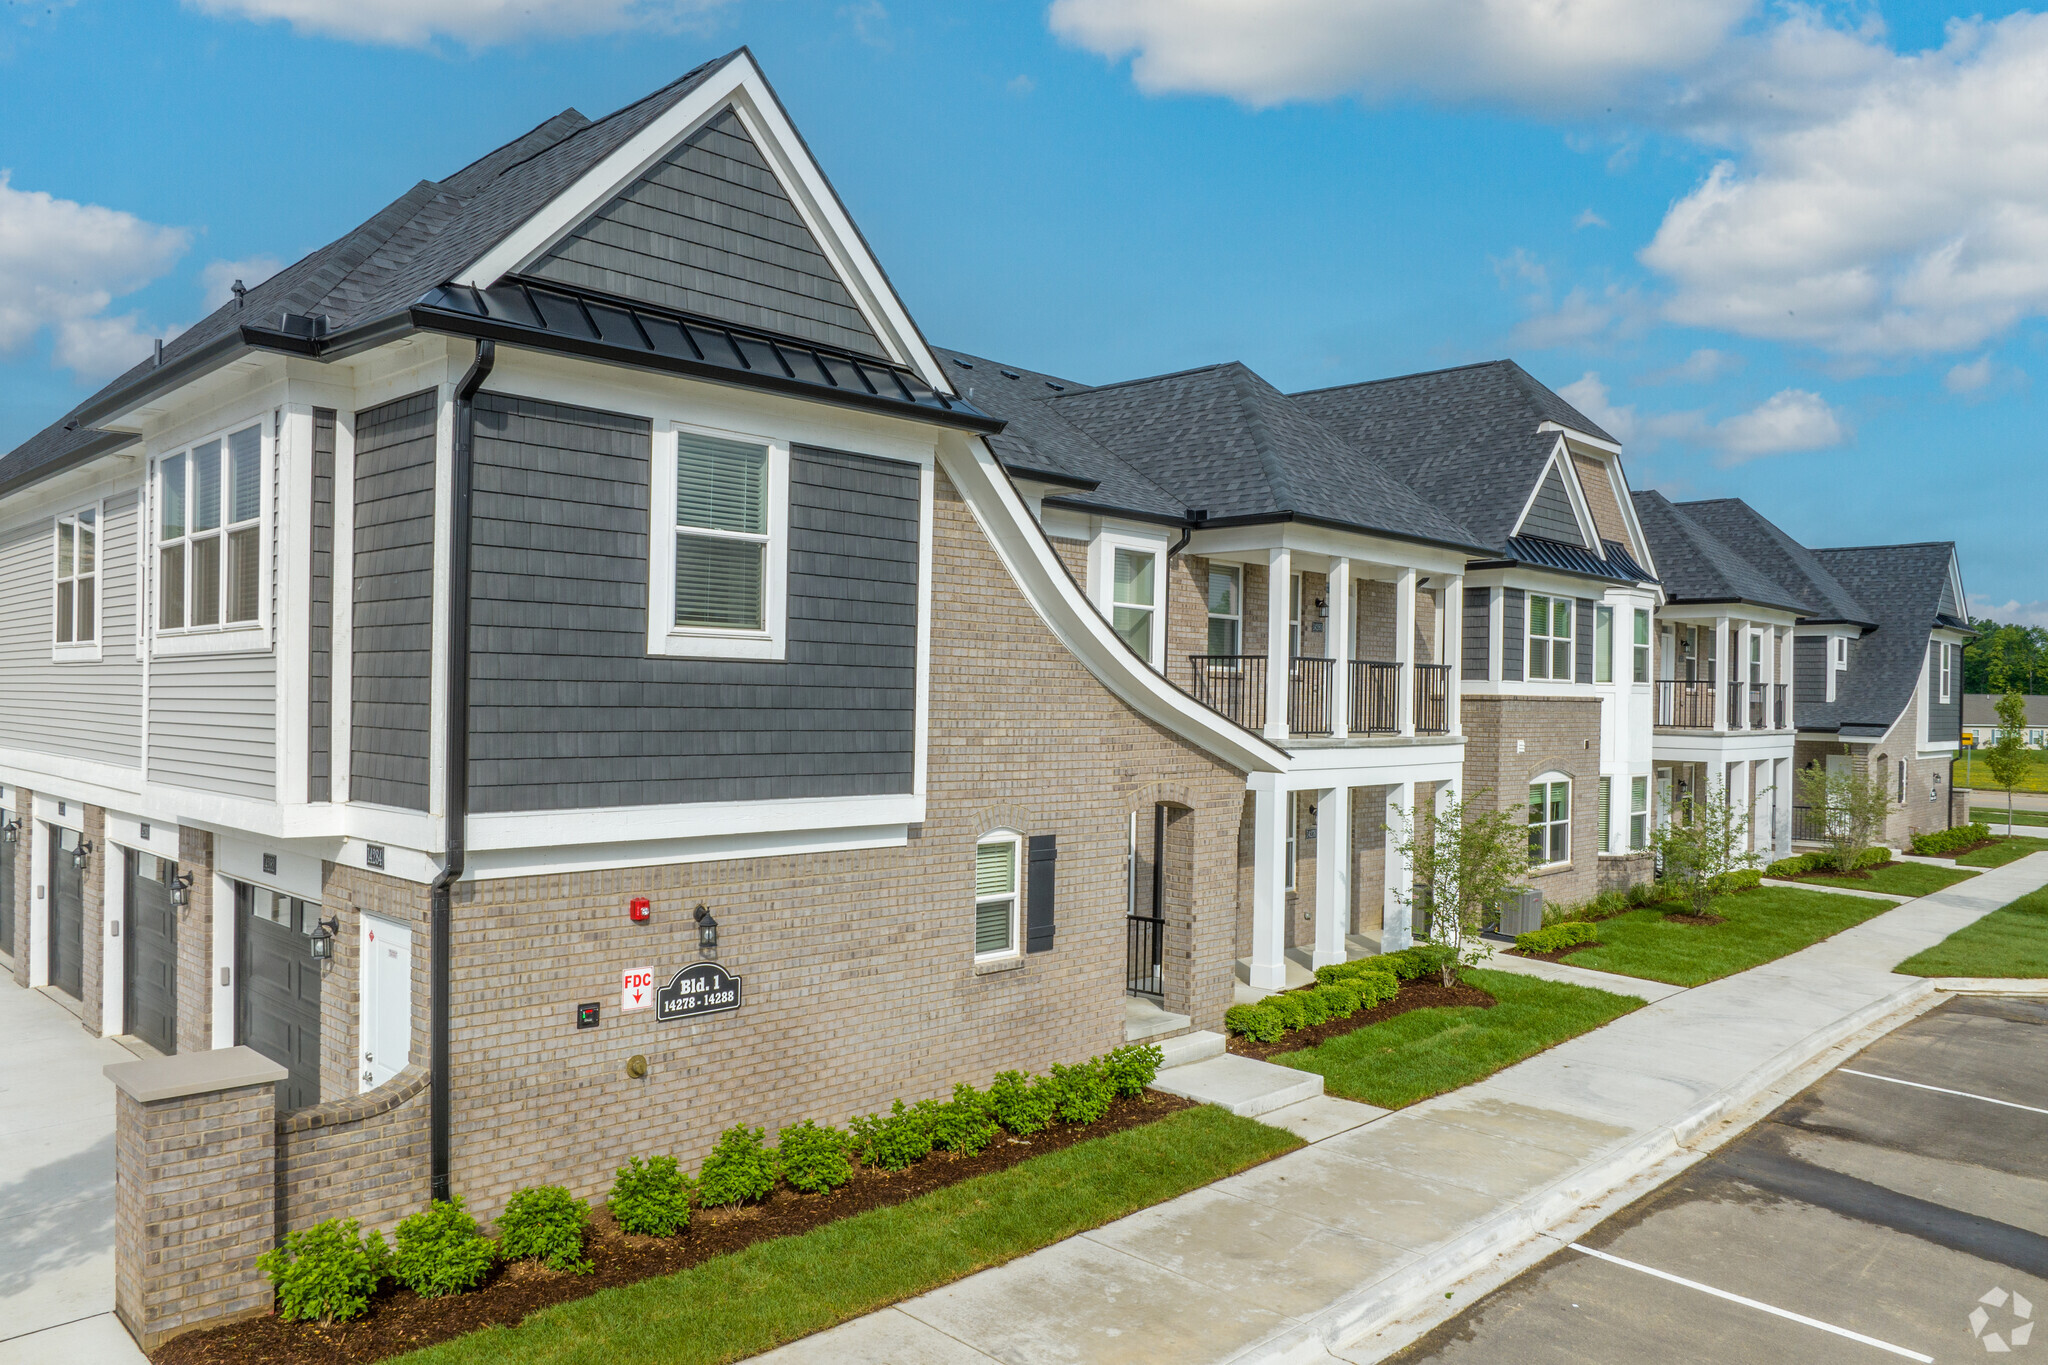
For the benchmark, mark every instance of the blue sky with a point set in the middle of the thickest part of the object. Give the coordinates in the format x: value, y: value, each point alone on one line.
x: 1795, y: 255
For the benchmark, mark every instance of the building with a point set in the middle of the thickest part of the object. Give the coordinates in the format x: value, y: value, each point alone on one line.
x: 1981, y: 726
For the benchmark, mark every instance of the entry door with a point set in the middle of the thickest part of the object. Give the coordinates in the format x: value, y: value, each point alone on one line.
x: 67, y: 914
x: 387, y: 1000
x: 277, y: 990
x: 6, y: 889
x: 151, y: 953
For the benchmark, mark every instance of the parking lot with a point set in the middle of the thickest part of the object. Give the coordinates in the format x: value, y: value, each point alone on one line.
x: 1897, y: 1209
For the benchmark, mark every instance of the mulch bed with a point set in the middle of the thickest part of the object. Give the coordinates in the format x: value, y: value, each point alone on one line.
x: 1556, y: 954
x: 400, y: 1320
x: 1414, y: 995
x: 1861, y: 874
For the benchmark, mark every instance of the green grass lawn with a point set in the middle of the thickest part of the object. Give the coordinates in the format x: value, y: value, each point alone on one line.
x: 1426, y: 1052
x: 2012, y: 941
x: 1759, y: 925
x: 1995, y: 815
x: 2006, y: 850
x: 776, y: 1291
x: 1899, y: 879
x: 1972, y: 766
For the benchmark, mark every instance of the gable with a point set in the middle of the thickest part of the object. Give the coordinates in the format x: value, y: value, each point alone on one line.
x: 1601, y: 499
x: 708, y: 229
x: 1550, y: 515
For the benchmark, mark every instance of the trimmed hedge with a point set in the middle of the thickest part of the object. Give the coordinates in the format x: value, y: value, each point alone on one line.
x: 1801, y: 863
x: 1342, y: 990
x: 1741, y: 879
x: 1950, y: 840
x: 1568, y: 934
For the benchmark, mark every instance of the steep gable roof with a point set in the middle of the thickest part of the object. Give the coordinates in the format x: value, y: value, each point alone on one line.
x: 1695, y: 565
x: 1779, y: 558
x: 1902, y: 586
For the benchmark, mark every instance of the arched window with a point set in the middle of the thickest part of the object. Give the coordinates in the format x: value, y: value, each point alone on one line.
x: 1550, y: 820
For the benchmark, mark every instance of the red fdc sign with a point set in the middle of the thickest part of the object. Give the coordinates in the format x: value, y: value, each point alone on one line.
x: 636, y: 988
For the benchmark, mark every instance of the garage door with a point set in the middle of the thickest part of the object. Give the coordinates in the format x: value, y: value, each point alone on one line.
x: 277, y: 991
x: 6, y: 887
x: 67, y: 914
x: 152, y: 952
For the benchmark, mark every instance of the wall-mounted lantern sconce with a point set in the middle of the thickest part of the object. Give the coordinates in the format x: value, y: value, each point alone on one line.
x: 1322, y: 608
x: 707, y: 930
x: 181, y: 890
x: 322, y: 940
x: 82, y: 855
x: 11, y: 831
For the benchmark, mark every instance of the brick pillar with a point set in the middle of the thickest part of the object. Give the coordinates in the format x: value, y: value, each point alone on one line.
x: 196, y: 972
x: 92, y: 977
x: 24, y: 882
x: 195, y: 1189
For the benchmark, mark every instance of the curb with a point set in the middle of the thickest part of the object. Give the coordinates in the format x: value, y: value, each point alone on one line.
x: 1388, y: 1314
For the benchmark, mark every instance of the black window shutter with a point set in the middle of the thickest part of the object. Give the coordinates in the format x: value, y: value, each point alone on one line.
x: 1038, y: 903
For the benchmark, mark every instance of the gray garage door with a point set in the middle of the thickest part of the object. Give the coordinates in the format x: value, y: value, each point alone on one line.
x: 152, y: 952
x: 67, y: 914
x: 277, y: 990
x: 6, y: 887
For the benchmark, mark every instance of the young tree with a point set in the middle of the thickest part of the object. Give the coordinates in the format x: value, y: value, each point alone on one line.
x: 2008, y: 759
x: 1701, y: 842
x: 1851, y: 807
x: 1465, y: 860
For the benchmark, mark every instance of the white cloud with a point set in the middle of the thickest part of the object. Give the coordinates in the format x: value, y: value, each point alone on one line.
x: 1970, y: 376
x: 475, y: 23
x: 1789, y: 420
x: 62, y: 264
x: 1585, y: 316
x: 2012, y: 612
x: 217, y: 280
x: 1021, y: 85
x: 1587, y: 218
x: 1590, y: 396
x: 1703, y: 366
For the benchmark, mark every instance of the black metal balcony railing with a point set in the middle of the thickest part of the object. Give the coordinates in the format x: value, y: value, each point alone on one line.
x: 1375, y: 698
x: 1308, y: 694
x: 1686, y: 703
x: 1778, y: 705
x: 1758, y: 715
x: 1233, y: 685
x: 1809, y: 824
x: 1432, y: 699
x: 1144, y: 943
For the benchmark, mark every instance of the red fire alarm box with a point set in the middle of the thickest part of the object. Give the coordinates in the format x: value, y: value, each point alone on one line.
x: 641, y: 909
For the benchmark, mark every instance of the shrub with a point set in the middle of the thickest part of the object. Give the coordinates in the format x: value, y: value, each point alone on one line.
x: 1870, y: 857
x: 1641, y: 894
x: 1021, y: 1104
x: 1237, y: 1019
x: 741, y: 1168
x: 1341, y: 999
x: 1950, y: 840
x: 966, y: 1123
x: 894, y: 1140
x: 1313, y: 1010
x: 1261, y: 1022
x: 326, y: 1272
x: 813, y: 1157
x: 545, y: 1224
x: 440, y: 1250
x: 1556, y: 936
x: 1375, y: 987
x: 1337, y: 971
x: 1293, y: 1013
x: 1796, y: 865
x: 1084, y: 1090
x: 1741, y: 879
x: 1134, y: 1066
x: 651, y: 1197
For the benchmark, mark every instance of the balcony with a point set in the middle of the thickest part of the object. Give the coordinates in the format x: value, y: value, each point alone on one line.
x: 1782, y: 716
x: 1685, y: 703
x: 1432, y: 699
x: 1375, y: 698
x: 1234, y: 685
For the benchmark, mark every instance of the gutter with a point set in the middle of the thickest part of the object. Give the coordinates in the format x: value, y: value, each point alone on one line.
x: 456, y: 738
x: 1271, y: 518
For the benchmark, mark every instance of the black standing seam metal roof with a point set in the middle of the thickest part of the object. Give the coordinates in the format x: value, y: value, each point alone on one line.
x: 1541, y: 553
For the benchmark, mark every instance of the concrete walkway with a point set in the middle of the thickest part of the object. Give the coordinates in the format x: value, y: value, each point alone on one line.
x: 56, y: 1188
x: 1346, y: 1249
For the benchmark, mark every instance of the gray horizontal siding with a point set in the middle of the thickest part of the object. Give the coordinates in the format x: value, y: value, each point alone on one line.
x: 709, y: 230
x: 1809, y: 670
x: 1475, y: 660
x: 320, y: 666
x: 392, y: 629
x: 1582, y: 655
x: 567, y: 709
x: 1511, y: 635
x: 77, y: 710
x: 213, y: 724
x: 1551, y: 516
x: 1944, y: 719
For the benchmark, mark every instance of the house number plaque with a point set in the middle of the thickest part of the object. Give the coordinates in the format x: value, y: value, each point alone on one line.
x: 704, y: 988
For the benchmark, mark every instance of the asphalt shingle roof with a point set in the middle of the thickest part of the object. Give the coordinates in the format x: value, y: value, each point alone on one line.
x: 1695, y: 565
x: 1778, y: 557
x: 1901, y: 586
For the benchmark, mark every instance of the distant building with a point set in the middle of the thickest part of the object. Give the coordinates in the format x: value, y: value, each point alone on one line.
x: 1981, y: 726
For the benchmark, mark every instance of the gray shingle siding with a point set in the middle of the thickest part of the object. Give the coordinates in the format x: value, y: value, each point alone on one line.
x: 1475, y: 660
x: 1809, y: 671
x: 1944, y: 719
x: 709, y: 230
x: 391, y: 703
x: 1551, y: 516
x: 320, y: 664
x: 567, y: 708
x: 1511, y: 632
x: 1582, y: 622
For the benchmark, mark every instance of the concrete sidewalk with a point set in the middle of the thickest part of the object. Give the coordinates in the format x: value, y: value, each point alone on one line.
x: 1347, y: 1249
x: 56, y: 1188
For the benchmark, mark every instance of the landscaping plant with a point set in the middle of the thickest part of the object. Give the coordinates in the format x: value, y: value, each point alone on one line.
x: 891, y: 1141
x: 545, y: 1224
x: 1550, y: 938
x: 1021, y: 1104
x: 2008, y: 758
x: 1945, y: 841
x: 814, y: 1156
x: 651, y: 1197
x: 1085, y: 1091
x: 327, y: 1272
x: 1466, y: 859
x: 967, y: 1122
x: 1131, y: 1067
x: 1261, y: 1022
x: 441, y: 1250
x: 1703, y: 844
x: 740, y: 1169
x: 1852, y: 806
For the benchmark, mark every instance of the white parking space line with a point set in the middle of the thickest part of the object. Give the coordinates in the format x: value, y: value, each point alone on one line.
x: 1787, y: 1314
x: 1938, y: 1089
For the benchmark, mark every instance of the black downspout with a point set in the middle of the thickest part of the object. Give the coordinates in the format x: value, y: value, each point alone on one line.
x: 457, y: 779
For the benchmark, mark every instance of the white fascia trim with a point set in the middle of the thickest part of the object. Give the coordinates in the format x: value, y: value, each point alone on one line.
x: 101, y: 784
x: 529, y: 830
x: 535, y: 862
x: 1560, y: 460
x: 1028, y: 555
x: 1702, y: 746
x: 1367, y: 553
x: 740, y: 84
x: 1316, y: 769
x: 1639, y: 544
x: 1577, y: 437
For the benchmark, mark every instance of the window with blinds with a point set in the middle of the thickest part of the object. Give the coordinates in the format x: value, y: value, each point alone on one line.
x: 995, y: 895
x: 721, y: 533
x: 210, y: 534
x: 1550, y: 822
x: 1133, y: 599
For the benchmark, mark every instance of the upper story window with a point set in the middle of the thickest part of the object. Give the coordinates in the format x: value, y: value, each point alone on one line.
x: 1134, y: 598
x: 1603, y: 644
x: 1642, y: 673
x: 209, y: 533
x: 1550, y: 820
x: 77, y: 607
x: 1841, y: 651
x: 720, y: 547
x: 1945, y: 663
x: 995, y: 894
x: 1639, y: 812
x: 1226, y: 608
x: 1550, y: 637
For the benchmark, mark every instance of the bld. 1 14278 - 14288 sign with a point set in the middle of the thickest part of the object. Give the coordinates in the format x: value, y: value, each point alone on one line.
x: 702, y: 988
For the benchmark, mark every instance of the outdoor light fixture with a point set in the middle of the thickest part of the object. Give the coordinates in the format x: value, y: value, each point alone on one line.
x: 11, y: 831
x: 322, y: 940
x: 82, y: 855
x: 181, y: 889
x: 707, y: 930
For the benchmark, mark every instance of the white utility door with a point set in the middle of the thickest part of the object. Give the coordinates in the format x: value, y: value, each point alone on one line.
x: 387, y: 1000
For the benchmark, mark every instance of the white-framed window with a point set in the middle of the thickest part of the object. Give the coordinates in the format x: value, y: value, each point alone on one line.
x: 1134, y: 584
x: 1606, y: 811
x: 1639, y: 812
x: 1293, y: 835
x: 1603, y: 644
x: 1642, y: 645
x: 75, y: 610
x: 1841, y: 651
x: 212, y: 579
x: 1550, y: 637
x: 718, y: 560
x: 1294, y: 616
x: 996, y: 899
x: 1226, y: 608
x: 1550, y: 820
x: 1945, y: 671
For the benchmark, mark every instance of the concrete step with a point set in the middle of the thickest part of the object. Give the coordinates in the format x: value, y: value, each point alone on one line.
x: 1189, y: 1048
x: 1143, y: 1019
x: 1245, y: 1087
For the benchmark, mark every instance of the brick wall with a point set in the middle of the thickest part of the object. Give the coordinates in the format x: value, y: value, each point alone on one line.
x: 1558, y: 734
x: 195, y: 942
x: 364, y: 1157
x: 92, y: 973
x: 1073, y: 554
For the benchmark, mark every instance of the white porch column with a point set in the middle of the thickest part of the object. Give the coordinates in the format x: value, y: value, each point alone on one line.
x: 1454, y: 644
x: 1279, y: 585
x: 1338, y: 643
x: 1781, y: 808
x: 1333, y: 874
x: 1395, y: 932
x: 1404, y: 650
x: 1724, y: 673
x: 1270, y: 809
x: 1446, y: 796
x: 38, y: 908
